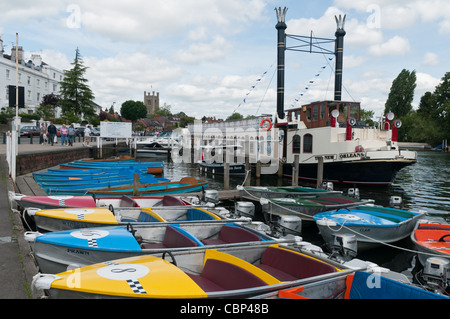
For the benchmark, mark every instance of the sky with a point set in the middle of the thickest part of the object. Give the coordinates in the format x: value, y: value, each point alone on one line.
x: 217, y: 57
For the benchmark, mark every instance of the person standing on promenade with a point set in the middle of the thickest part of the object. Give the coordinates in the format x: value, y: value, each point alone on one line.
x: 71, y: 134
x: 42, y: 134
x: 64, y: 133
x: 87, y: 135
x: 51, y: 130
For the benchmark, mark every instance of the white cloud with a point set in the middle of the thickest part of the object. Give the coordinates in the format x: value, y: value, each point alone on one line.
x: 200, y: 52
x: 430, y: 59
x: 394, y: 46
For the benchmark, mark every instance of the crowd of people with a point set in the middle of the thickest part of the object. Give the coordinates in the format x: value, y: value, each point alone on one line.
x: 49, y: 135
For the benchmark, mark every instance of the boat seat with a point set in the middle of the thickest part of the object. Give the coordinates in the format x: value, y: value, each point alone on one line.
x: 172, y: 201
x: 232, y: 234
x: 197, y: 214
x: 427, y: 234
x: 173, y: 238
x: 218, y: 275
x: 286, y: 265
x: 126, y: 201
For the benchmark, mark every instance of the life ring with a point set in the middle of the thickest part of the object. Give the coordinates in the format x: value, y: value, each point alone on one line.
x: 263, y: 125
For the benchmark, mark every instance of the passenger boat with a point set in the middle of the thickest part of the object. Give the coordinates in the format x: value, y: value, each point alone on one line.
x: 227, y: 272
x: 55, y: 251
x: 372, y: 225
x: 431, y: 239
x: 257, y: 192
x: 49, y: 202
x: 307, y: 207
x: 184, y: 185
x: 49, y: 220
x: 358, y: 285
x: 219, y: 168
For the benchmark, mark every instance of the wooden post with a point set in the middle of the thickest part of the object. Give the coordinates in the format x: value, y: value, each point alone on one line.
x: 226, y: 175
x: 248, y: 168
x: 136, y: 185
x: 295, y: 170
x: 319, y: 171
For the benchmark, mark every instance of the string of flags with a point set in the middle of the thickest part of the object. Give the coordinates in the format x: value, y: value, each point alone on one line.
x: 252, y: 88
x: 311, y: 82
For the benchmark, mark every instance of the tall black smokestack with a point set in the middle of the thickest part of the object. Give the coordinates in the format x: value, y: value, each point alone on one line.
x: 339, y: 51
x: 281, y: 27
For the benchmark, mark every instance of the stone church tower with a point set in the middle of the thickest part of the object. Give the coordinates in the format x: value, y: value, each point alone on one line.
x: 151, y: 101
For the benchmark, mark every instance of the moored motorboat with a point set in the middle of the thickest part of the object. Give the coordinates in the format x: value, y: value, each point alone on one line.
x: 55, y: 251
x: 49, y: 202
x: 307, y: 207
x: 431, y: 239
x: 184, y: 185
x: 372, y: 225
x: 228, y: 272
x: 49, y: 220
x: 257, y: 192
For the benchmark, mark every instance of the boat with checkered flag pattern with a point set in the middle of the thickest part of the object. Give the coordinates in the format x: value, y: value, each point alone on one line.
x: 227, y: 272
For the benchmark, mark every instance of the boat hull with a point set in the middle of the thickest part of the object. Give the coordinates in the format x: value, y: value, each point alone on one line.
x: 218, y: 168
x: 369, y: 172
x: 426, y: 237
x: 371, y: 225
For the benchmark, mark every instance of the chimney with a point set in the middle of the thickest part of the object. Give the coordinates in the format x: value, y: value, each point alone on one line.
x: 281, y: 27
x: 13, y: 54
x: 339, y: 52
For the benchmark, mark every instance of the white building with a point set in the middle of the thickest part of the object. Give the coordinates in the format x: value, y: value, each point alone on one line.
x: 36, y: 79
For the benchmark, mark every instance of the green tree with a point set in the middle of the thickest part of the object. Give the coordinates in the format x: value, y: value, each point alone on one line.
x: 235, y: 116
x: 401, y: 94
x: 366, y: 116
x: 76, y: 96
x: 133, y: 110
x: 441, y: 100
x: 46, y: 109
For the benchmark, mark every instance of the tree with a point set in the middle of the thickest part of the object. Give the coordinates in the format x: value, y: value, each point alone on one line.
x: 46, y: 109
x: 401, y: 94
x: 76, y: 96
x: 366, y: 116
x: 441, y: 100
x: 235, y: 116
x: 133, y: 110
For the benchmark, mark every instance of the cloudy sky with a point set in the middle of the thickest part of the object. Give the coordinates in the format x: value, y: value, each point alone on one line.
x: 216, y: 57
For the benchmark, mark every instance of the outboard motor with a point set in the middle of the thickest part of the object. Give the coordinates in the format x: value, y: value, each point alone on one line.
x: 345, y: 247
x: 289, y: 225
x: 327, y: 185
x: 246, y: 209
x: 436, y: 273
x: 353, y: 192
x: 396, y: 202
x: 211, y: 196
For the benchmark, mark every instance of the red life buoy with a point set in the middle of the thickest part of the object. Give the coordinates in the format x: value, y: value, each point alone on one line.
x: 264, y: 126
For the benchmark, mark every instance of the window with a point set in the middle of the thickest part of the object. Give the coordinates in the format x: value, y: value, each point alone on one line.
x: 296, y: 141
x: 315, y: 112
x: 308, y: 114
x: 7, y: 74
x: 307, y: 143
x: 323, y: 108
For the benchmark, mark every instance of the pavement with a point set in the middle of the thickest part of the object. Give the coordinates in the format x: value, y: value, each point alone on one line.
x: 17, y: 266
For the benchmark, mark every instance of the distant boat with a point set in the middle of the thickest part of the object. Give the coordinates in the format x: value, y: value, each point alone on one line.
x: 229, y: 272
x: 101, y: 244
x: 48, y: 220
x: 432, y: 239
x: 185, y: 185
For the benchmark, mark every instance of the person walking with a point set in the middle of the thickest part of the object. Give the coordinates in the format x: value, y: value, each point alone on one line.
x: 63, y: 132
x: 87, y: 135
x: 42, y: 134
x: 51, y: 130
x: 71, y: 134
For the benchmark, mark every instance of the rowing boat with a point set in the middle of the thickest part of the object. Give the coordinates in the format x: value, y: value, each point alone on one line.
x: 257, y: 192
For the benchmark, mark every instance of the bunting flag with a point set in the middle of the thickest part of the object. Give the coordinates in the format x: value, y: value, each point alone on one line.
x: 310, y: 83
x: 252, y: 88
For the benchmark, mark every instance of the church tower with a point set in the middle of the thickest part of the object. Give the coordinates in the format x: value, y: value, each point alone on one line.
x: 151, y: 101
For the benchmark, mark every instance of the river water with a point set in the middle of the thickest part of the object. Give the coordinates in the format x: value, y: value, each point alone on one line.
x: 422, y: 186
